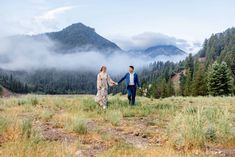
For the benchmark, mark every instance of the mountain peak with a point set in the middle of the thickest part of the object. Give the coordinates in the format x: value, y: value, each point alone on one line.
x: 79, y: 26
x: 80, y: 37
x: 166, y: 50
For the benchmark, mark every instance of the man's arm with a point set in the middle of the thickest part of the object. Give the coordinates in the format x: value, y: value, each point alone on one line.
x: 122, y: 79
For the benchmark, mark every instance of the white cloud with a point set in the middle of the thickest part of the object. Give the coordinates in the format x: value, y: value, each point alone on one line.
x: 52, y: 14
x: 149, y: 39
x: 47, y: 21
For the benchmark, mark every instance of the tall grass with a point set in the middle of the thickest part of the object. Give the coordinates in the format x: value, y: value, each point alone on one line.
x: 198, y: 127
x: 77, y: 124
x: 114, y: 117
x: 27, y: 128
x: 46, y: 115
x: 4, y: 124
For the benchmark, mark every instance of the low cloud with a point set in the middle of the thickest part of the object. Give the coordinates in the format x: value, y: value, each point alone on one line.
x: 25, y: 53
x: 149, y: 39
x: 28, y: 53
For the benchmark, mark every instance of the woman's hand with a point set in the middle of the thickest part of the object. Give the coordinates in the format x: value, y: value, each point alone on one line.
x: 114, y: 83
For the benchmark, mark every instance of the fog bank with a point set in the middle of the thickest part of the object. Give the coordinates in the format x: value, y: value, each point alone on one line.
x: 28, y: 53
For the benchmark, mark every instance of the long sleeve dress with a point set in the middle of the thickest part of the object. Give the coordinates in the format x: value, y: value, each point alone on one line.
x: 103, y: 80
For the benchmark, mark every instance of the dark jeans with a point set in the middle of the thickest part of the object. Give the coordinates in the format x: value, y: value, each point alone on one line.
x: 131, y: 91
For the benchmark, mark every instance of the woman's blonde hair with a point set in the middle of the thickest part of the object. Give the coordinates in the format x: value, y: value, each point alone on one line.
x: 102, y: 67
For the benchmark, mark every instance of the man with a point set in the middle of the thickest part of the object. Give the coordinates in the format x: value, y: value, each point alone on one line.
x: 131, y: 82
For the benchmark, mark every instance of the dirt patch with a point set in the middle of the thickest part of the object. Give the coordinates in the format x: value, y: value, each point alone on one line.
x: 222, y: 152
x: 136, y: 139
x: 91, y: 149
x: 136, y: 135
x: 55, y: 134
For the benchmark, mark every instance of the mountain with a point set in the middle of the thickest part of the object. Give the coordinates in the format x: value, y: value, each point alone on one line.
x: 80, y: 37
x: 164, y: 50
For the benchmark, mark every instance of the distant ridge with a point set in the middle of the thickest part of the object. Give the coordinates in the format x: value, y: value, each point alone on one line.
x: 164, y: 50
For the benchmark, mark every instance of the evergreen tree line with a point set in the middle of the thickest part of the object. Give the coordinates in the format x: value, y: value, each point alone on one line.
x: 209, y: 72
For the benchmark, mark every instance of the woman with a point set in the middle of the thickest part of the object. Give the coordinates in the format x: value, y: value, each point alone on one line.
x: 103, y: 80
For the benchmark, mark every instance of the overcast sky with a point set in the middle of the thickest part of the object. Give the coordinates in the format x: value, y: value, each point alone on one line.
x: 129, y: 23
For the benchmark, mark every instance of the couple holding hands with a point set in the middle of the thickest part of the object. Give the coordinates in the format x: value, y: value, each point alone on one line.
x: 103, y: 80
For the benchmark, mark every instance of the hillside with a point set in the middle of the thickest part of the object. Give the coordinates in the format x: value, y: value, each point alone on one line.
x: 220, y: 46
x: 5, y: 92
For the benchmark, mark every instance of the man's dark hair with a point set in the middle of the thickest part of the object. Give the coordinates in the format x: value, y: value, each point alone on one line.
x: 132, y: 67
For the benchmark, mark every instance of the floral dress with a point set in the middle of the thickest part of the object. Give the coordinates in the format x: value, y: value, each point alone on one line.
x: 103, y: 80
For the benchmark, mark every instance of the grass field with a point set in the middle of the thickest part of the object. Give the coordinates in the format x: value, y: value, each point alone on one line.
x: 70, y: 126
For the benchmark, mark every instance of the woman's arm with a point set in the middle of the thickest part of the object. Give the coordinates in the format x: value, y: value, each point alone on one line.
x: 110, y: 81
x: 98, y: 81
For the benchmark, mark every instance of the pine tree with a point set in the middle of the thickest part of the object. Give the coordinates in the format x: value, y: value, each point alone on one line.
x: 219, y: 80
x: 188, y: 84
x: 182, y: 83
x: 188, y: 76
x: 170, y: 88
x: 199, y: 81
